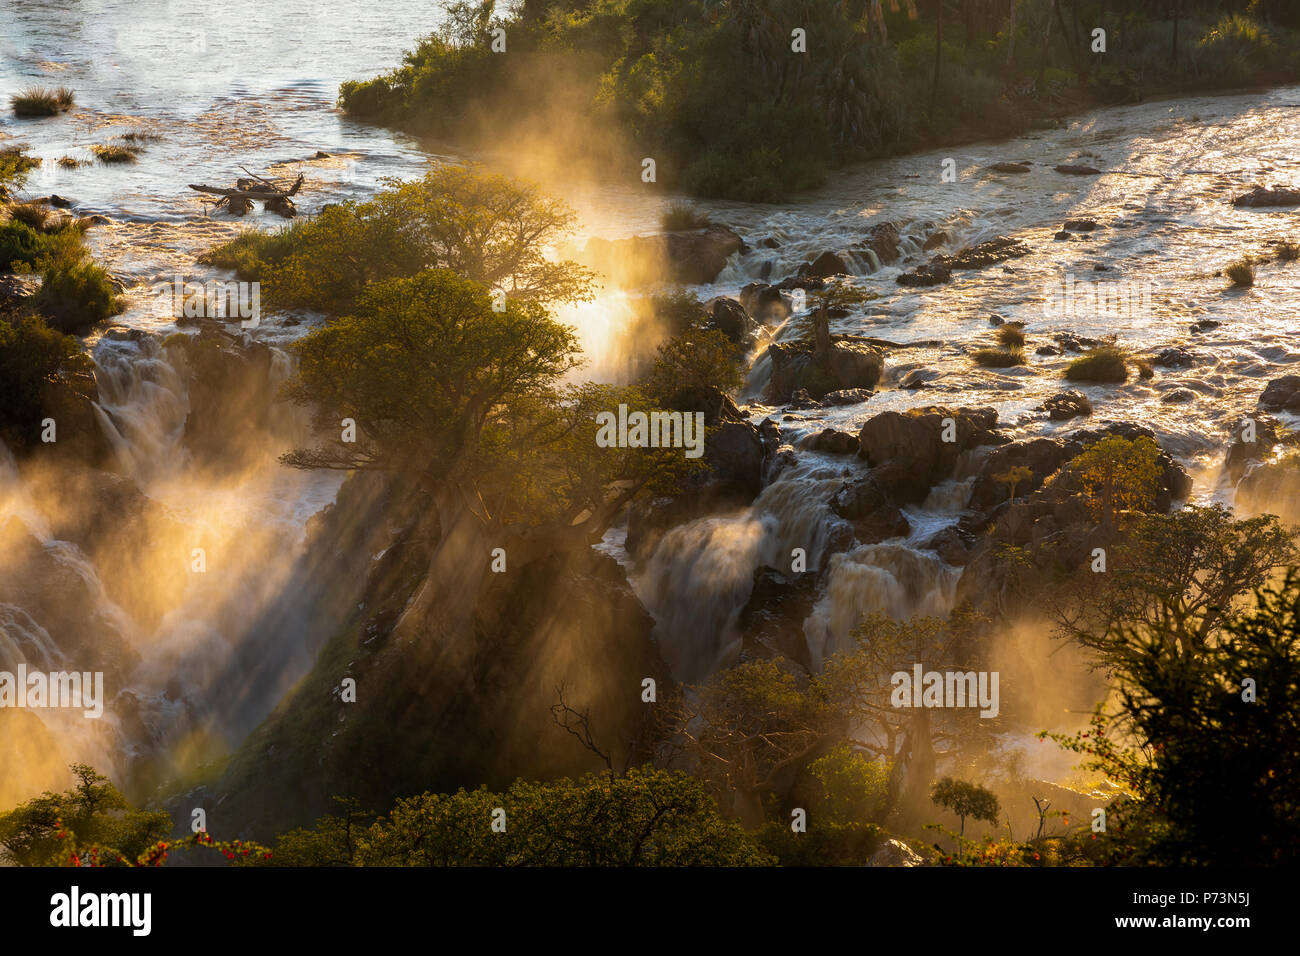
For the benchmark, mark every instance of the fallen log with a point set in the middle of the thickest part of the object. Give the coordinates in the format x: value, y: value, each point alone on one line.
x: 240, y: 199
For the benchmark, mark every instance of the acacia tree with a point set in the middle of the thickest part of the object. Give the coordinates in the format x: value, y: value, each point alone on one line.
x: 431, y: 384
x: 1180, y: 574
x: 910, y: 740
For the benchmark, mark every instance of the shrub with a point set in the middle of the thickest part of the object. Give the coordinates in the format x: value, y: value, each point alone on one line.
x: 20, y: 243
x: 76, y: 292
x: 14, y: 167
x: 682, y: 215
x: 1010, y: 335
x: 253, y: 252
x: 999, y: 358
x: 42, y: 102
x: 1241, y: 272
x: 114, y: 153
x: 68, y: 162
x: 1105, y: 364
x: 697, y: 357
x: 1117, y: 474
x: 31, y: 353
x: 1288, y: 251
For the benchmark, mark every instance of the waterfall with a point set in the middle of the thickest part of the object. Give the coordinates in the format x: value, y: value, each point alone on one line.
x: 700, y: 575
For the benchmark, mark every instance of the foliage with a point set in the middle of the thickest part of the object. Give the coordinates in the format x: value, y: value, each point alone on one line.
x: 42, y: 102
x: 1010, y: 336
x: 696, y: 358
x: 1179, y: 574
x: 826, y: 843
x: 1106, y: 363
x: 31, y: 354
x: 1211, y: 775
x: 683, y: 215
x: 1016, y: 475
x: 853, y: 785
x: 965, y: 800
x: 1117, y: 474
x: 999, y: 358
x: 1241, y: 272
x: 646, y: 818
x: 482, y: 226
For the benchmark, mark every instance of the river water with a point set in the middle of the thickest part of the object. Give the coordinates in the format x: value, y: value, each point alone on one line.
x: 251, y: 84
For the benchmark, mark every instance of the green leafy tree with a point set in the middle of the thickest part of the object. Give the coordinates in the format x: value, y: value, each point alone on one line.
x: 1117, y: 474
x: 965, y: 800
x: 646, y: 818
x: 1204, y: 746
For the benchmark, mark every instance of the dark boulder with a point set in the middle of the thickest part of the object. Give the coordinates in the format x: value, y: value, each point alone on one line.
x: 909, y: 451
x: 1282, y: 394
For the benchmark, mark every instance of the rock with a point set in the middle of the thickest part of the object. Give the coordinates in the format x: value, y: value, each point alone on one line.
x: 1072, y: 170
x: 1009, y: 167
x: 826, y: 265
x: 832, y: 442
x: 59, y: 202
x: 1242, y: 453
x: 846, y: 365
x: 952, y: 545
x: 1282, y: 394
x: 896, y: 852
x: 771, y: 622
x: 1178, y: 396
x: 769, y: 242
x: 716, y: 405
x: 1269, y: 196
x: 918, y: 378
x: 847, y: 396
x: 987, y: 253
x: 1047, y: 350
x: 1066, y: 405
x: 924, y: 275
x: 1042, y: 456
x: 1080, y: 225
x: 690, y: 256
x: 996, y: 320
x: 765, y: 303
x: 882, y: 239
x: 15, y: 288
x: 934, y: 241
x: 855, y: 365
x: 734, y: 452
x: 1177, y: 357
x: 1061, y: 236
x: 871, y: 510
x: 70, y: 400
x: 907, y: 450
x: 730, y: 318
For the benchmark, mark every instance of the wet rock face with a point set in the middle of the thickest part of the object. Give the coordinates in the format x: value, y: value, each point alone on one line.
x: 845, y: 365
x: 771, y: 622
x: 913, y: 451
x: 1042, y: 456
x: 939, y: 269
x: 882, y: 239
x: 1069, y: 169
x: 765, y: 303
x: 1067, y: 405
x: 826, y: 265
x: 832, y: 442
x: 871, y: 510
x: 1282, y: 394
x: 1269, y: 196
x: 1241, y: 453
x: 731, y: 319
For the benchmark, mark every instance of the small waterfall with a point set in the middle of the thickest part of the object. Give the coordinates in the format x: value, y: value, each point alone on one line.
x: 891, y: 578
x: 143, y: 404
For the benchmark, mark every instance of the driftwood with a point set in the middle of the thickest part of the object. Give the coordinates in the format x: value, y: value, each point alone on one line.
x: 239, y: 200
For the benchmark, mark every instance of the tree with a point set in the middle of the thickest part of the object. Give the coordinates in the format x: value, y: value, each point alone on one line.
x: 482, y: 226
x: 1012, y: 477
x: 747, y: 730
x: 465, y: 403
x: 696, y: 358
x: 965, y: 800
x: 857, y: 684
x: 1117, y: 474
x: 646, y: 818
x: 32, y: 355
x: 1178, y: 573
x: 1204, y: 746
x: 93, y: 812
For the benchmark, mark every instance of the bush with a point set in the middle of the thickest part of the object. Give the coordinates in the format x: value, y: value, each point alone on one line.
x: 31, y: 354
x: 115, y: 154
x: 1105, y: 364
x: 697, y: 357
x: 1010, y: 335
x: 42, y: 102
x: 1241, y: 272
x: 20, y: 243
x: 252, y: 253
x: 14, y: 167
x: 1288, y: 251
x: 682, y: 215
x: 999, y: 358
x: 75, y: 292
